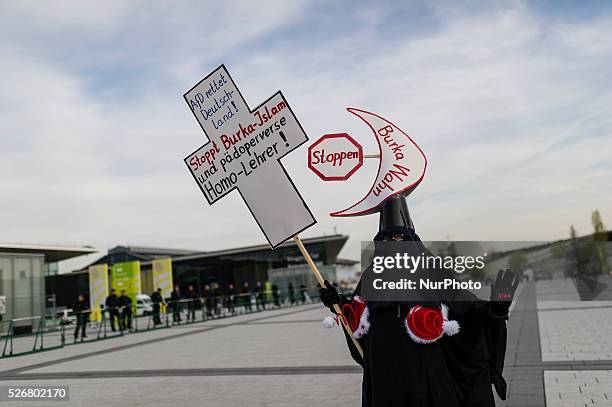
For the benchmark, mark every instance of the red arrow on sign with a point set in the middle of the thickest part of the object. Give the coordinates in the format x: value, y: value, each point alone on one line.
x: 335, y: 157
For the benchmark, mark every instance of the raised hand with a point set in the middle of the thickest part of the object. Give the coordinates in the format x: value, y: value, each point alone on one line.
x: 502, y: 292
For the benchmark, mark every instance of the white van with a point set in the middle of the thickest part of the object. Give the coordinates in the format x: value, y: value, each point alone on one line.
x: 144, y: 305
x: 2, y: 306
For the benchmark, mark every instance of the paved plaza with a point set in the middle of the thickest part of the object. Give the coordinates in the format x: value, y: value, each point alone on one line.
x: 559, y: 348
x: 558, y: 355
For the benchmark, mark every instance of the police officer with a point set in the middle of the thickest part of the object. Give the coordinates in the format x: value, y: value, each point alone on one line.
x: 230, y: 299
x: 125, y: 303
x: 157, y: 299
x: 81, y: 309
x: 112, y: 305
x: 193, y: 297
x: 175, y: 297
x: 246, y: 297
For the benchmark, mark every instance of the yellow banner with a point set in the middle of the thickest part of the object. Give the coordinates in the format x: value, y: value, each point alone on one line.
x: 162, y: 276
x: 98, y: 289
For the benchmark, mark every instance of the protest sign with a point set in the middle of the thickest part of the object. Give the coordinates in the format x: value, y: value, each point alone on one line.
x: 335, y: 157
x: 401, y: 167
x: 244, y: 151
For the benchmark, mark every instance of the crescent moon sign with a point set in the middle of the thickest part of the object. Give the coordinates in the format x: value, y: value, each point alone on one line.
x: 400, y: 170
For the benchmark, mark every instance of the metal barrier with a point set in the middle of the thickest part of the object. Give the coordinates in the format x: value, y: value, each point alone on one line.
x: 49, y: 332
x: 18, y: 343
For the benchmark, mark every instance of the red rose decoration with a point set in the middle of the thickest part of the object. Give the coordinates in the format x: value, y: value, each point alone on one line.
x: 425, y: 324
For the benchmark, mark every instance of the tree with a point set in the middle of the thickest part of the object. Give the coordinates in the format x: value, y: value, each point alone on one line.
x: 518, y: 260
x: 573, y: 234
x: 597, y: 223
x: 599, y: 238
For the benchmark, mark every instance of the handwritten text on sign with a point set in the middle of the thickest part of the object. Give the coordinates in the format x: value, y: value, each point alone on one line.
x: 402, y: 164
x: 335, y: 157
x: 244, y: 151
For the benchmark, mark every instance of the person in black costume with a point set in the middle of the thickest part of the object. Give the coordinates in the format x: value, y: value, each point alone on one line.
x: 452, y: 371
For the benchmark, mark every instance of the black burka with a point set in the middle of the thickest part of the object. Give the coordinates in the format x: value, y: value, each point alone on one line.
x: 454, y: 371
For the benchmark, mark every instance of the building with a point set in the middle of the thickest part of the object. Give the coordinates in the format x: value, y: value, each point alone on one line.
x: 282, y: 266
x: 23, y: 268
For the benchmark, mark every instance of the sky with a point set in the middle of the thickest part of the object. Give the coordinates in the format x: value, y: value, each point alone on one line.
x: 510, y: 101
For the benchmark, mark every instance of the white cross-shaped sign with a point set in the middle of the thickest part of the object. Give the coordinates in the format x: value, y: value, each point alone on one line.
x: 244, y: 151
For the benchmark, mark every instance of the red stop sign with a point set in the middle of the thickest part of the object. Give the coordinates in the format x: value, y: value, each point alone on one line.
x: 335, y: 157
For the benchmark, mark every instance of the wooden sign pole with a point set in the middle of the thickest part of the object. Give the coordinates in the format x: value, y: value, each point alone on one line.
x: 321, y: 281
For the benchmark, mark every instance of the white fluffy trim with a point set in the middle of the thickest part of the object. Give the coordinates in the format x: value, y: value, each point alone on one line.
x: 416, y: 338
x: 329, y: 322
x: 444, y: 308
x: 359, y: 299
x: 449, y: 328
x: 364, y: 324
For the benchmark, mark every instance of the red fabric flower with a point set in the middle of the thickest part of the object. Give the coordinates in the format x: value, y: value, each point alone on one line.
x: 352, y: 312
x: 425, y: 323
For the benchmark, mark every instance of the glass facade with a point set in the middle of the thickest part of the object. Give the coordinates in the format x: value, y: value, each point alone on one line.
x: 51, y: 269
x: 282, y: 266
x: 300, y: 275
x: 248, y: 266
x: 22, y: 283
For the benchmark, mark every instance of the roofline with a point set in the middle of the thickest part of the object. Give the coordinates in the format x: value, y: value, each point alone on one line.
x: 18, y: 254
x: 160, y: 250
x: 247, y: 249
x: 347, y: 261
x: 51, y: 253
x: 41, y: 247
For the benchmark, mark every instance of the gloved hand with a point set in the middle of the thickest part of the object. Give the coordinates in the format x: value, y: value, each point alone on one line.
x: 502, y: 292
x: 330, y: 296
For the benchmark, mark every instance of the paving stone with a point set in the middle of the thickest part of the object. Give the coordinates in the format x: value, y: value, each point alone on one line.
x: 576, y: 370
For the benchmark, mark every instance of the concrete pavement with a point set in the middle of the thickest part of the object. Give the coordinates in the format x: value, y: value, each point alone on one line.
x: 558, y: 355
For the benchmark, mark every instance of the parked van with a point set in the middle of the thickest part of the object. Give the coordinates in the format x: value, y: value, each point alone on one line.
x: 144, y: 305
x: 2, y: 306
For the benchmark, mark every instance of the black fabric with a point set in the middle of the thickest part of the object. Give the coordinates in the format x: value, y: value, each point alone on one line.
x: 175, y: 297
x: 394, y: 218
x: 81, y: 308
x: 502, y: 292
x: 156, y: 297
x: 125, y: 301
x: 112, y: 302
x: 329, y: 296
x: 455, y: 371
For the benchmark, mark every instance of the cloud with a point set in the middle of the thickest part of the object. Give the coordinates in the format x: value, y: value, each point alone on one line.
x: 511, y: 106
